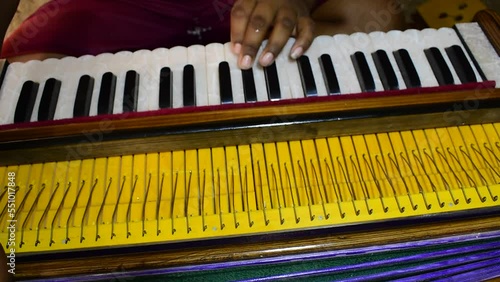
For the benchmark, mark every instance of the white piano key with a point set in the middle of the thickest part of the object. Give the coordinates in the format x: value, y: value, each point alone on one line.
x: 481, y: 48
x: 148, y: 78
x: 411, y: 40
x: 430, y: 38
x: 314, y: 53
x: 214, y: 55
x: 177, y: 59
x: 326, y: 45
x: 236, y: 78
x: 197, y: 58
x: 67, y: 70
x: 448, y: 37
x: 98, y: 65
x: 381, y: 42
x: 258, y: 75
x: 281, y: 65
x: 341, y: 50
x: 38, y: 72
x: 291, y: 67
x: 159, y: 60
x: 118, y: 64
x: 363, y: 43
x: 11, y: 89
x: 92, y: 70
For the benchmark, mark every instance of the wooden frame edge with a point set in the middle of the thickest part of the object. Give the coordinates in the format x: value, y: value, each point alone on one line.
x: 489, y: 21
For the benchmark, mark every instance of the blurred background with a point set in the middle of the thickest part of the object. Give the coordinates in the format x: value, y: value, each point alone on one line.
x: 413, y: 17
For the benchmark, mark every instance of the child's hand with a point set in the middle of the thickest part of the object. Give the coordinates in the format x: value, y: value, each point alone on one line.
x: 253, y: 20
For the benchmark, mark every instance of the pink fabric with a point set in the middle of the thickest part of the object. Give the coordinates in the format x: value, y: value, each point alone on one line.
x: 79, y: 27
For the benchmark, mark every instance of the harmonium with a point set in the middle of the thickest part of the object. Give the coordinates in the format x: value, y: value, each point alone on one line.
x: 175, y: 162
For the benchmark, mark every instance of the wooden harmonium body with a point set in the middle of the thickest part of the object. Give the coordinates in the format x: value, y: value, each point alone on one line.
x: 175, y: 157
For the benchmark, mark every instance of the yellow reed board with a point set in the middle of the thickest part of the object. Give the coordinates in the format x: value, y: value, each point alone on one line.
x: 249, y: 189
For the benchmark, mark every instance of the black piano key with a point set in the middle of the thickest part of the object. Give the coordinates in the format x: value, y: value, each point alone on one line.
x: 249, y: 85
x: 272, y: 82
x: 329, y: 75
x: 461, y: 64
x: 49, y: 99
x: 189, y: 86
x: 363, y: 72
x: 385, y: 70
x: 83, y: 96
x: 26, y: 102
x: 131, y: 91
x: 439, y: 67
x: 407, y: 68
x: 306, y: 76
x: 166, y: 86
x: 3, y: 69
x: 226, y: 91
x: 107, y: 94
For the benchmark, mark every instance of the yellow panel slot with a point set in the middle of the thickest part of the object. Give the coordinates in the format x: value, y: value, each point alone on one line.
x: 151, y: 195
x: 421, y: 170
x: 302, y: 182
x: 249, y: 189
x: 261, y: 183
x: 250, y: 199
x: 177, y: 200
x: 207, y: 205
x: 105, y: 216
x: 376, y: 165
x: 365, y: 172
x: 221, y: 186
x: 289, y: 190
x: 163, y: 206
x: 236, y: 201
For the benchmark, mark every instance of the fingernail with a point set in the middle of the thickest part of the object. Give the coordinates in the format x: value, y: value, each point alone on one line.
x: 237, y: 48
x: 246, y: 62
x: 297, y: 53
x: 267, y: 59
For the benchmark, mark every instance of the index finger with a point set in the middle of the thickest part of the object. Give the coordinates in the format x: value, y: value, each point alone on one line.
x: 240, y: 16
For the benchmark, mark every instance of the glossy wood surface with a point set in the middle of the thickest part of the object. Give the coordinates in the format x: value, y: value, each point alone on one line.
x: 489, y: 20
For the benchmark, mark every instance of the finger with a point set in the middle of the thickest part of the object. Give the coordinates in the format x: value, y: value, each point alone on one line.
x: 284, y: 25
x: 240, y: 16
x: 260, y: 22
x: 305, y: 36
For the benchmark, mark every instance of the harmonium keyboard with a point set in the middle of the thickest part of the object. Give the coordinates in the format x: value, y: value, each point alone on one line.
x: 175, y: 157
